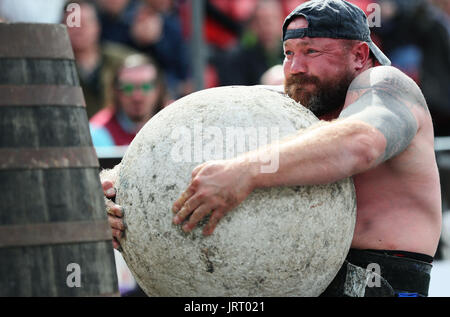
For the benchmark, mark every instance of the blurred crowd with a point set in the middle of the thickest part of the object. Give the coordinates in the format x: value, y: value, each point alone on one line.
x: 242, y: 45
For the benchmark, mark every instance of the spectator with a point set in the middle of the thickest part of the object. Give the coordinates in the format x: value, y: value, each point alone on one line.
x: 116, y: 18
x: 139, y: 93
x: 273, y: 76
x: 259, y: 49
x: 224, y: 20
x: 162, y: 6
x: 223, y: 25
x: 156, y: 30
x: 96, y: 63
x: 151, y: 27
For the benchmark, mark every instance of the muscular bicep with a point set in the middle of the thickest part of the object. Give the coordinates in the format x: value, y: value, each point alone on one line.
x: 390, y: 102
x: 397, y: 124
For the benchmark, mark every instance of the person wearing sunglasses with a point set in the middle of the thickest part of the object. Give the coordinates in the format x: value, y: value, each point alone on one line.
x: 139, y: 93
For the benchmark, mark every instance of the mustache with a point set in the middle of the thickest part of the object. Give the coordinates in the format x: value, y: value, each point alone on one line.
x: 297, y: 79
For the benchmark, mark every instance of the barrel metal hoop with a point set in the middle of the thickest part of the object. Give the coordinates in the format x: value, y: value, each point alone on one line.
x: 54, y: 233
x: 48, y: 158
x: 41, y: 95
x: 23, y: 41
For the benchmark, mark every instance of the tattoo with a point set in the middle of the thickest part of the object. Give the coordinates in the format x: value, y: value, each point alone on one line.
x: 385, y: 98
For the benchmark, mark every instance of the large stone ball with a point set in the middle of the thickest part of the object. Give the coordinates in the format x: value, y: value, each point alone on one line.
x: 281, y: 241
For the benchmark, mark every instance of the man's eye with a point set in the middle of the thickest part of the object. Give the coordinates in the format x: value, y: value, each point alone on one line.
x: 311, y: 51
x: 288, y: 53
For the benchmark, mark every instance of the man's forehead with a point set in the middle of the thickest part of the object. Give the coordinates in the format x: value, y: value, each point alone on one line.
x: 324, y: 42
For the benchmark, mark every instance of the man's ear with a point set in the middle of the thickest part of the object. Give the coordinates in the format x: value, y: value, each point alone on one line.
x: 360, y: 55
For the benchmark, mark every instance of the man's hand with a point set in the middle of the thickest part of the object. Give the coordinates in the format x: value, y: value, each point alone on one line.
x: 216, y: 188
x: 115, y: 213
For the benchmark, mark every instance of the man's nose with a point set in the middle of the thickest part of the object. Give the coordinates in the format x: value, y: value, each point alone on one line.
x: 298, y: 65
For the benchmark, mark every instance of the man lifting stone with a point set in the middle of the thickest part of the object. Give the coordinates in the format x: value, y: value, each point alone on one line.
x: 375, y: 127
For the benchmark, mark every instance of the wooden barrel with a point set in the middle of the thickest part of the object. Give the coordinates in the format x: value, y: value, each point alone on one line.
x: 54, y: 235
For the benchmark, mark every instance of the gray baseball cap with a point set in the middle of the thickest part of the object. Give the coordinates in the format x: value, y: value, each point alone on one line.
x: 337, y: 19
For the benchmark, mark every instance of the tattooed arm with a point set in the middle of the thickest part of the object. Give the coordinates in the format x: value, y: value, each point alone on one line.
x: 389, y: 101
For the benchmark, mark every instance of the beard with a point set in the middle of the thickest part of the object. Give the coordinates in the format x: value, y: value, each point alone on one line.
x: 135, y: 115
x: 327, y: 95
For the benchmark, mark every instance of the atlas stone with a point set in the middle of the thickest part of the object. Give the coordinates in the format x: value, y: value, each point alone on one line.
x: 281, y: 241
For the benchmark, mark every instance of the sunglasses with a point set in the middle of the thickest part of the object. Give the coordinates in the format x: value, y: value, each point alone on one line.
x: 128, y: 88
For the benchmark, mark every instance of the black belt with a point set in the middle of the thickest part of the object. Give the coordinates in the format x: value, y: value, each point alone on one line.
x: 404, y: 274
x: 398, y: 275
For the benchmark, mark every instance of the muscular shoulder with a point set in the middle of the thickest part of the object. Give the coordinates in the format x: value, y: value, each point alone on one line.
x: 387, y: 82
x: 389, y: 101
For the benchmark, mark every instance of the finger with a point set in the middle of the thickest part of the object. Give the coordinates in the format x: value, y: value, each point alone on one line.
x: 116, y: 223
x: 107, y: 184
x: 117, y: 233
x: 180, y: 201
x: 196, y: 216
x: 213, y: 221
x: 108, y: 189
x: 116, y: 244
x: 196, y: 170
x: 182, y: 215
x: 193, y: 202
x: 114, y: 209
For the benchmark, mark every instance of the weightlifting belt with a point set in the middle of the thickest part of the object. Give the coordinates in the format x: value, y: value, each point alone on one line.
x: 401, y: 273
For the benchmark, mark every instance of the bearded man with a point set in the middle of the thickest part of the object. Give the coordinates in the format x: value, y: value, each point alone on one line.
x: 375, y: 127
